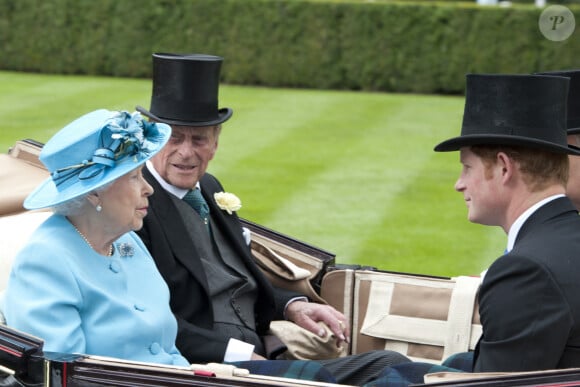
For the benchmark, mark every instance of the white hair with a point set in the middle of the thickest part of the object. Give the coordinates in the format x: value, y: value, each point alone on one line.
x: 76, y: 205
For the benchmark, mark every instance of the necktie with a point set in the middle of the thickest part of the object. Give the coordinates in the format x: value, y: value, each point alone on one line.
x: 198, y: 203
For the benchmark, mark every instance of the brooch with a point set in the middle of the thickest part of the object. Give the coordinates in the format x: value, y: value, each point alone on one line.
x: 126, y: 249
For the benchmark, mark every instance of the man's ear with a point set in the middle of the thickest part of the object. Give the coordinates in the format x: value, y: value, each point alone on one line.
x: 505, y: 165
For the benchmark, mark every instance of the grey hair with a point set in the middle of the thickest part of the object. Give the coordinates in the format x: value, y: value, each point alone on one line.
x: 71, y: 207
x: 75, y: 206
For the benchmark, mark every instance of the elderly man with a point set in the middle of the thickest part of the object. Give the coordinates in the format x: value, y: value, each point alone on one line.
x: 222, y: 301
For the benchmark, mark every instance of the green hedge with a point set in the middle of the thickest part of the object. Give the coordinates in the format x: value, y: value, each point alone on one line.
x: 385, y: 46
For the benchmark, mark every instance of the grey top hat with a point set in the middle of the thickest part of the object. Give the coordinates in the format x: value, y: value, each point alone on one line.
x: 185, y: 90
x: 521, y: 110
x: 573, y: 121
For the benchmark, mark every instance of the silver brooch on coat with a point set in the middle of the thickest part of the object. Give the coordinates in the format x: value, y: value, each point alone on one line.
x: 126, y: 249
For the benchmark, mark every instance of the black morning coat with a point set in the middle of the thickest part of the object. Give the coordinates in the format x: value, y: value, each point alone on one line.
x: 530, y: 298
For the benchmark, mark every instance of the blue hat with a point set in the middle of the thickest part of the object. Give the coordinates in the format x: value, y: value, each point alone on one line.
x: 95, y: 150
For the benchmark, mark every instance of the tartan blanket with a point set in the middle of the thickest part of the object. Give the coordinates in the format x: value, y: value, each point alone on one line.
x: 403, y: 375
x: 296, y: 369
x: 400, y: 375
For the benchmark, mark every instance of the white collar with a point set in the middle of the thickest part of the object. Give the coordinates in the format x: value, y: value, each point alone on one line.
x: 179, y: 192
x: 517, y: 225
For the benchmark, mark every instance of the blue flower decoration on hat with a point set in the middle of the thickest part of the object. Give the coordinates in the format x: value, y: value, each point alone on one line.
x: 124, y: 135
x: 94, y: 150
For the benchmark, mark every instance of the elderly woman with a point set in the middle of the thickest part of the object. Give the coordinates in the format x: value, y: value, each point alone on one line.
x: 84, y: 282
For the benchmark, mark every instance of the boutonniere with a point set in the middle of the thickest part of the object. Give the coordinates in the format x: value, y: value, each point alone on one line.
x: 227, y: 201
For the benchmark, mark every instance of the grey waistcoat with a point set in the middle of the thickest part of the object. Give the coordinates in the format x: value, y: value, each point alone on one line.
x: 233, y: 290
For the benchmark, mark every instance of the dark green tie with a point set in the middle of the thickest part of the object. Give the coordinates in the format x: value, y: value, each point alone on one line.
x: 198, y: 203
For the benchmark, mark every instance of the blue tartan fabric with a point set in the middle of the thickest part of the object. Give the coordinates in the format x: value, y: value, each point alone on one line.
x: 462, y: 361
x: 296, y: 369
x: 403, y: 375
x: 400, y: 375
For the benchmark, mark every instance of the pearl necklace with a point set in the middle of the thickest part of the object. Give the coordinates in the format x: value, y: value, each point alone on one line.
x: 109, y: 254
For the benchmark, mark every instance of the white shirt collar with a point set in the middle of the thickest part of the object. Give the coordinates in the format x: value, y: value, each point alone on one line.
x: 517, y: 225
x: 179, y: 192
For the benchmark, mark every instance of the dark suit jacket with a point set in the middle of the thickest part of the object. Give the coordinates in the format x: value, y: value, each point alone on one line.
x: 530, y: 297
x: 178, y: 260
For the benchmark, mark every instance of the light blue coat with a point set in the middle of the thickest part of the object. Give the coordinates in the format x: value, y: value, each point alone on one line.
x: 78, y: 301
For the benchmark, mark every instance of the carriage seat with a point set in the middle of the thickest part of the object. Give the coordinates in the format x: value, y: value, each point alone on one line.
x: 14, y: 232
x: 20, y: 173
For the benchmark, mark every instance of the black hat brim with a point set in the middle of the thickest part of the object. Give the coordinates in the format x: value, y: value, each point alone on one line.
x: 224, y: 114
x: 454, y: 144
x: 573, y: 124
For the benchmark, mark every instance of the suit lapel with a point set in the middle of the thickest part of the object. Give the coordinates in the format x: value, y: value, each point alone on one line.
x: 231, y: 227
x: 182, y: 247
x: 229, y: 224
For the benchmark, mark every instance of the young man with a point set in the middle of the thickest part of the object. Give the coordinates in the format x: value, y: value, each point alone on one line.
x: 222, y: 301
x: 515, y: 168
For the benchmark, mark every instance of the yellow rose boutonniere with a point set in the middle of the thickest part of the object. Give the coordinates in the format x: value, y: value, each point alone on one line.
x: 227, y: 201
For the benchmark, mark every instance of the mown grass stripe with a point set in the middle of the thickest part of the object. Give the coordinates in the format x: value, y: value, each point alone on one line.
x: 368, y: 182
x: 42, y: 104
x: 270, y: 129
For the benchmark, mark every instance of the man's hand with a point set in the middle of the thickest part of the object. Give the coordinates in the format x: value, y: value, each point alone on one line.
x: 308, y: 314
x: 255, y: 356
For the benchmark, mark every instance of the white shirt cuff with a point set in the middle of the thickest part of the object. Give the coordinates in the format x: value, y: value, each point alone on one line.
x: 301, y: 298
x: 238, y: 350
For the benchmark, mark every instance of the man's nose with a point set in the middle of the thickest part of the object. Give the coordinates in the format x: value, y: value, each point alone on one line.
x: 459, y: 186
x: 186, y: 149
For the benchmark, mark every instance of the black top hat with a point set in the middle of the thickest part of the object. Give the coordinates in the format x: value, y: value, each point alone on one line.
x: 185, y: 90
x: 522, y: 110
x: 573, y: 121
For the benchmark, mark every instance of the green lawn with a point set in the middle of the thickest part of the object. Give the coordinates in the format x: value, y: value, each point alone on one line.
x: 351, y: 172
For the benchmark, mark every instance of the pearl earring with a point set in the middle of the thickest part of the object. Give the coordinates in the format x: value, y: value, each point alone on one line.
x: 99, y: 208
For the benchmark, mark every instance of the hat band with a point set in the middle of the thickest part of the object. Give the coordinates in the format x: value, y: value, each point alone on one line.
x: 195, y: 111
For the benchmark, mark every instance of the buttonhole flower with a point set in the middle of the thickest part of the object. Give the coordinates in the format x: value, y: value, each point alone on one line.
x: 227, y: 201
